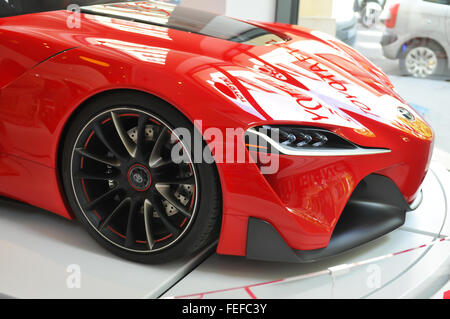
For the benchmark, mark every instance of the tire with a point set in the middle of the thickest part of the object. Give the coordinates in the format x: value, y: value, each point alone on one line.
x: 367, y: 21
x: 430, y: 59
x: 370, y: 14
x: 123, y: 186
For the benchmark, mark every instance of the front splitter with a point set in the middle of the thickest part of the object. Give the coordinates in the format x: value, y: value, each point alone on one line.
x: 410, y: 262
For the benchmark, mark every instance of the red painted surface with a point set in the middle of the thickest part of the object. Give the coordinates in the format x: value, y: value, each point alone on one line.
x: 310, y: 80
x: 447, y: 295
x: 392, y: 21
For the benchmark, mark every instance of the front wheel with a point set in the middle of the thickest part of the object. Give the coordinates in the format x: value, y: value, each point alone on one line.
x: 124, y: 186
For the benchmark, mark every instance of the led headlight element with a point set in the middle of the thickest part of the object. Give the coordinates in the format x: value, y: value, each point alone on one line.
x: 304, y: 141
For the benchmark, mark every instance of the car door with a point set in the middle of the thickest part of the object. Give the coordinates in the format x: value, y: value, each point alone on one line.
x: 435, y: 15
x: 24, y: 44
x: 9, y: 68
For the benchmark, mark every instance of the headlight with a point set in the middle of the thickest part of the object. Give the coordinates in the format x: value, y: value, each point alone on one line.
x: 303, y: 141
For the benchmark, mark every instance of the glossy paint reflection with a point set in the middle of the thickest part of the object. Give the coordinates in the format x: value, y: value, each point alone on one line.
x: 50, y: 70
x: 189, y: 20
x: 142, y: 53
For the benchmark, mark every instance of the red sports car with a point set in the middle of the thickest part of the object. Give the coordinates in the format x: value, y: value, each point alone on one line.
x: 161, y: 128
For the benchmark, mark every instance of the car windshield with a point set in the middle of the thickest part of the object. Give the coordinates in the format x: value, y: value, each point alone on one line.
x: 157, y: 13
x: 18, y: 7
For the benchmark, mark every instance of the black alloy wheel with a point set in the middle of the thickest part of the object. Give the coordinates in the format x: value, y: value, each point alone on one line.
x: 122, y: 182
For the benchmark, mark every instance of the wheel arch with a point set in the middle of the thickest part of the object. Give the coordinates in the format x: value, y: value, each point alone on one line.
x: 79, y: 108
x: 427, y: 40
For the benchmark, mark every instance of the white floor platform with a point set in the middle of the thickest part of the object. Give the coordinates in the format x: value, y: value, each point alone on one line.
x: 416, y: 274
x: 36, y: 249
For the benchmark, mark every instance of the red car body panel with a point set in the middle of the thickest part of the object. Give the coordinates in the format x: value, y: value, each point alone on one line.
x: 310, y: 80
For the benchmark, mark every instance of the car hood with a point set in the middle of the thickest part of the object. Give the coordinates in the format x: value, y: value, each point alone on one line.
x: 279, y: 73
x: 292, y: 74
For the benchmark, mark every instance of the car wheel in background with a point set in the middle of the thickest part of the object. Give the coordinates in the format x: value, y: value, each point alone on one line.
x: 370, y: 14
x: 423, y: 59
